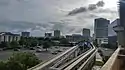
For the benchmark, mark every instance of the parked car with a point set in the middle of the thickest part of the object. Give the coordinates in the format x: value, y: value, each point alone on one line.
x: 16, y: 49
x: 59, y: 50
x: 1, y: 49
x: 54, y: 52
x: 31, y: 48
x: 5, y: 48
x: 38, y: 47
x: 38, y: 50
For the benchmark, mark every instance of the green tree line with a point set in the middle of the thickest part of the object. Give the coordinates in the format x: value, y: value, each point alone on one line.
x: 20, y: 61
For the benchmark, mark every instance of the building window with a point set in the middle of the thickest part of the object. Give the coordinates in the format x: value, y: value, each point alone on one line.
x: 9, y: 39
x: 4, y: 38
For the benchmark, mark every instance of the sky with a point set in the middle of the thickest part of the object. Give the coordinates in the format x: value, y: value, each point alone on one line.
x: 40, y: 16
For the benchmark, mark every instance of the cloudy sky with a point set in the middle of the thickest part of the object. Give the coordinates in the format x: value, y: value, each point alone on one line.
x: 40, y: 16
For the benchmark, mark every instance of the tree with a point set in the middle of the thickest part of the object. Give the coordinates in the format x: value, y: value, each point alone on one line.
x: 14, y: 44
x: 55, y: 38
x: 64, y: 41
x: 25, y: 60
x: 40, y: 38
x: 22, y: 42
x: 3, y: 65
x: 14, y: 65
x: 4, y: 44
x: 95, y: 43
x: 19, y: 61
x: 46, y: 45
x: 40, y: 42
x: 34, y: 43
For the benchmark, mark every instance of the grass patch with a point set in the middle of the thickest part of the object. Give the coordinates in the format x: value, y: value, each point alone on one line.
x: 99, y: 63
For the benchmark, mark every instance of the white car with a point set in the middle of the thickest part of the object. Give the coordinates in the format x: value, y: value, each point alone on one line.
x: 38, y: 50
x: 54, y: 52
x: 58, y: 50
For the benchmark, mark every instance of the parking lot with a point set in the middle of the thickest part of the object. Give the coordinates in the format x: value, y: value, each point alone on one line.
x: 43, y: 55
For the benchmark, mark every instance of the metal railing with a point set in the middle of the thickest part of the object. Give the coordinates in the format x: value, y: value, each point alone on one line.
x: 62, y: 67
x: 78, y: 64
x: 86, y: 65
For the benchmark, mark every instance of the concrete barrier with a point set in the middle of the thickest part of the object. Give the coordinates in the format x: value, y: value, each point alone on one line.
x: 113, y: 62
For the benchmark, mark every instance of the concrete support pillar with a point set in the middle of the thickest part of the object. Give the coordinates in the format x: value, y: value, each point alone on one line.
x: 120, y: 38
x: 75, y: 53
x: 120, y: 35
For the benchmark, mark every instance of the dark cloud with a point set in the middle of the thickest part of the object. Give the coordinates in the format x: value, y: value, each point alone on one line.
x: 90, y: 7
x: 100, y: 3
x: 77, y: 10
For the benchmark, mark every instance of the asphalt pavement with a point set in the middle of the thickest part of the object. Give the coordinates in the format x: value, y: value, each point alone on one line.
x: 44, y: 55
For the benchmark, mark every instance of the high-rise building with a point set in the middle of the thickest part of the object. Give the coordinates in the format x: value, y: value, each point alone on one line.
x: 74, y: 38
x: 122, y: 13
x: 101, y: 28
x: 48, y: 35
x: 86, y: 32
x: 9, y: 37
x: 111, y: 32
x: 93, y: 36
x: 25, y: 34
x: 77, y: 37
x: 120, y: 29
x: 56, y: 33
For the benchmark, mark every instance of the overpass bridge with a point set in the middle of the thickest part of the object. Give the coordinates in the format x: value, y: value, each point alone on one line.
x: 72, y: 59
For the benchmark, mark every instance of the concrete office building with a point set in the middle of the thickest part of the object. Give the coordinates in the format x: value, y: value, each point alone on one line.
x: 56, y: 33
x: 86, y: 32
x: 25, y: 34
x: 111, y: 32
x: 69, y: 38
x: 101, y: 30
x: 112, y: 36
x: 74, y: 38
x: 120, y: 29
x: 48, y: 35
x: 9, y: 37
x: 101, y: 27
x: 93, y: 36
x: 77, y: 37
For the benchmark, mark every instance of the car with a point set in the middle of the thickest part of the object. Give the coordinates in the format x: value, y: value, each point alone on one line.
x: 59, y: 50
x: 54, y: 52
x: 1, y: 49
x: 4, y: 49
x: 38, y: 47
x: 38, y: 50
x: 16, y: 49
x: 31, y: 48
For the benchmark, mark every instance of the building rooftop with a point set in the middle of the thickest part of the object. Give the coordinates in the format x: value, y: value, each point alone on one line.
x: 8, y: 33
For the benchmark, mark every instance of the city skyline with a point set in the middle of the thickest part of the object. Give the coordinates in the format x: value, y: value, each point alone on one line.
x: 40, y: 16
